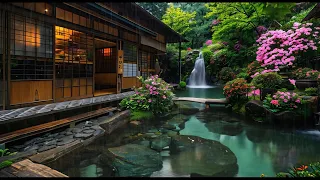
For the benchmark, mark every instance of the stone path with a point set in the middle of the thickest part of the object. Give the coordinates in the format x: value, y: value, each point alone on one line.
x: 7, y: 116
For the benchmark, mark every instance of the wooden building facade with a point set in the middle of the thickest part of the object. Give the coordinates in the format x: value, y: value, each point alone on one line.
x: 53, y: 52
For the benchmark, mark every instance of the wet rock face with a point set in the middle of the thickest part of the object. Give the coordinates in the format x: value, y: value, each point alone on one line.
x: 195, y: 155
x: 222, y: 127
x: 160, y: 142
x: 132, y: 160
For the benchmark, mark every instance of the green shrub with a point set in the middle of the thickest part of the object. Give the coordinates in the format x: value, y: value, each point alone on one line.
x: 215, y: 46
x: 182, y: 84
x: 154, y: 95
x: 243, y: 75
x: 270, y: 80
x: 6, y: 152
x: 311, y: 91
x: 207, y: 54
x: 235, y: 89
x: 283, y: 90
x: 6, y: 163
x: 139, y: 115
x: 226, y: 74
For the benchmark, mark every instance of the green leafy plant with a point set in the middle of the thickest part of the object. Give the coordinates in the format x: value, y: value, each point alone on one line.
x: 283, y: 101
x: 182, y: 84
x: 226, y: 74
x: 253, y: 67
x: 207, y: 55
x: 139, y: 115
x: 243, y: 75
x: 313, y: 170
x: 6, y: 152
x: 283, y: 90
x: 311, y: 91
x: 270, y: 80
x: 154, y: 95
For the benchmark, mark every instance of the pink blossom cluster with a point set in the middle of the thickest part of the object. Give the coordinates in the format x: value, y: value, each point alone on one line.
x: 286, y: 99
x: 262, y: 72
x: 208, y: 42
x: 215, y: 22
x: 255, y: 92
x: 279, y: 47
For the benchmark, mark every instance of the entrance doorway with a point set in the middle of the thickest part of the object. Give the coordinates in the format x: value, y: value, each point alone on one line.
x: 105, y: 67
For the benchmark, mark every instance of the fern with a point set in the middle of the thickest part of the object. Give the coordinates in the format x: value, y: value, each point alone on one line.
x: 6, y: 163
x: 139, y: 115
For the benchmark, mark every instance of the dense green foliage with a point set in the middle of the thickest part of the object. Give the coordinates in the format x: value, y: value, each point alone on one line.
x: 268, y: 80
x: 312, y: 170
x: 182, y: 84
x: 6, y: 152
x: 226, y: 74
x: 139, y: 115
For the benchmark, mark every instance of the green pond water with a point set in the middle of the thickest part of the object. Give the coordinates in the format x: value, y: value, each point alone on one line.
x: 259, y: 149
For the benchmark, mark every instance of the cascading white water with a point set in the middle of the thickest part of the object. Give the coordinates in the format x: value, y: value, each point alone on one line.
x: 198, y: 74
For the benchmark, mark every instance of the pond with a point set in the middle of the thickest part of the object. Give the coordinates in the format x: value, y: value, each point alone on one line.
x: 258, y: 149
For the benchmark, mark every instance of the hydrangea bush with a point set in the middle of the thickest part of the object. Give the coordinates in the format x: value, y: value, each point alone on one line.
x: 226, y: 74
x: 280, y: 48
x: 282, y: 101
x: 154, y: 95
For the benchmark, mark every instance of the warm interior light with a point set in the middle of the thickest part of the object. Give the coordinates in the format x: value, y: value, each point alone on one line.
x: 46, y: 10
x: 107, y: 51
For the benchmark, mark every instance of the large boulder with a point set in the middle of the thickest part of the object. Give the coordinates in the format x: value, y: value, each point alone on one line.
x: 223, y: 127
x: 195, y: 155
x: 132, y: 160
x: 160, y: 142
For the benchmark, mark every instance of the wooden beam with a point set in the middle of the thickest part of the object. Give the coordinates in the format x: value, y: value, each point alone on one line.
x: 34, y: 130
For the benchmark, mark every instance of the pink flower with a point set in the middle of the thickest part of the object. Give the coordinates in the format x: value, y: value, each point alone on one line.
x: 282, y: 97
x: 275, y: 102
x: 164, y: 97
x: 298, y: 101
x: 138, y: 101
x: 154, y: 88
x: 285, y: 100
x: 295, y: 106
x: 149, y: 100
x: 292, y: 81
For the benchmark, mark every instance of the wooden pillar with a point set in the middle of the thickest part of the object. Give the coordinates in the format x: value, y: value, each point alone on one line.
x: 119, y: 66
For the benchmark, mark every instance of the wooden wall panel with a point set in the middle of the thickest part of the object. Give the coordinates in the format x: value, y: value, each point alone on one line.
x: 129, y: 82
x: 25, y: 91
x: 106, y: 78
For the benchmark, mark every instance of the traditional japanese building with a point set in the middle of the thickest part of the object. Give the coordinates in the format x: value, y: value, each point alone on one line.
x: 54, y: 52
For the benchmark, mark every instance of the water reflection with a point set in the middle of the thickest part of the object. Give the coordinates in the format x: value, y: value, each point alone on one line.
x: 258, y: 149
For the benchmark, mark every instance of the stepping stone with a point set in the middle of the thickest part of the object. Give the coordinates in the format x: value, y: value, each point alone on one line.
x: 76, y: 130
x: 60, y: 136
x: 40, y: 141
x: 45, y: 148
x: 53, y: 135
x: 88, y: 123
x: 89, y: 131
x: 68, y: 133
x: 82, y: 135
x: 86, y: 128
x: 96, y: 127
x: 49, y: 143
x: 31, y: 148
x: 19, y: 146
x: 65, y: 141
x: 169, y: 126
x: 62, y: 133
x: 98, y: 131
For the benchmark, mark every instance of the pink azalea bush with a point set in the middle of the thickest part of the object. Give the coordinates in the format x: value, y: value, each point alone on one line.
x: 154, y: 95
x: 208, y: 42
x: 282, y: 101
x: 279, y: 48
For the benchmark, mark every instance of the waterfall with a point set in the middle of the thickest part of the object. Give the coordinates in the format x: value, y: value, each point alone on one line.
x: 198, y: 74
